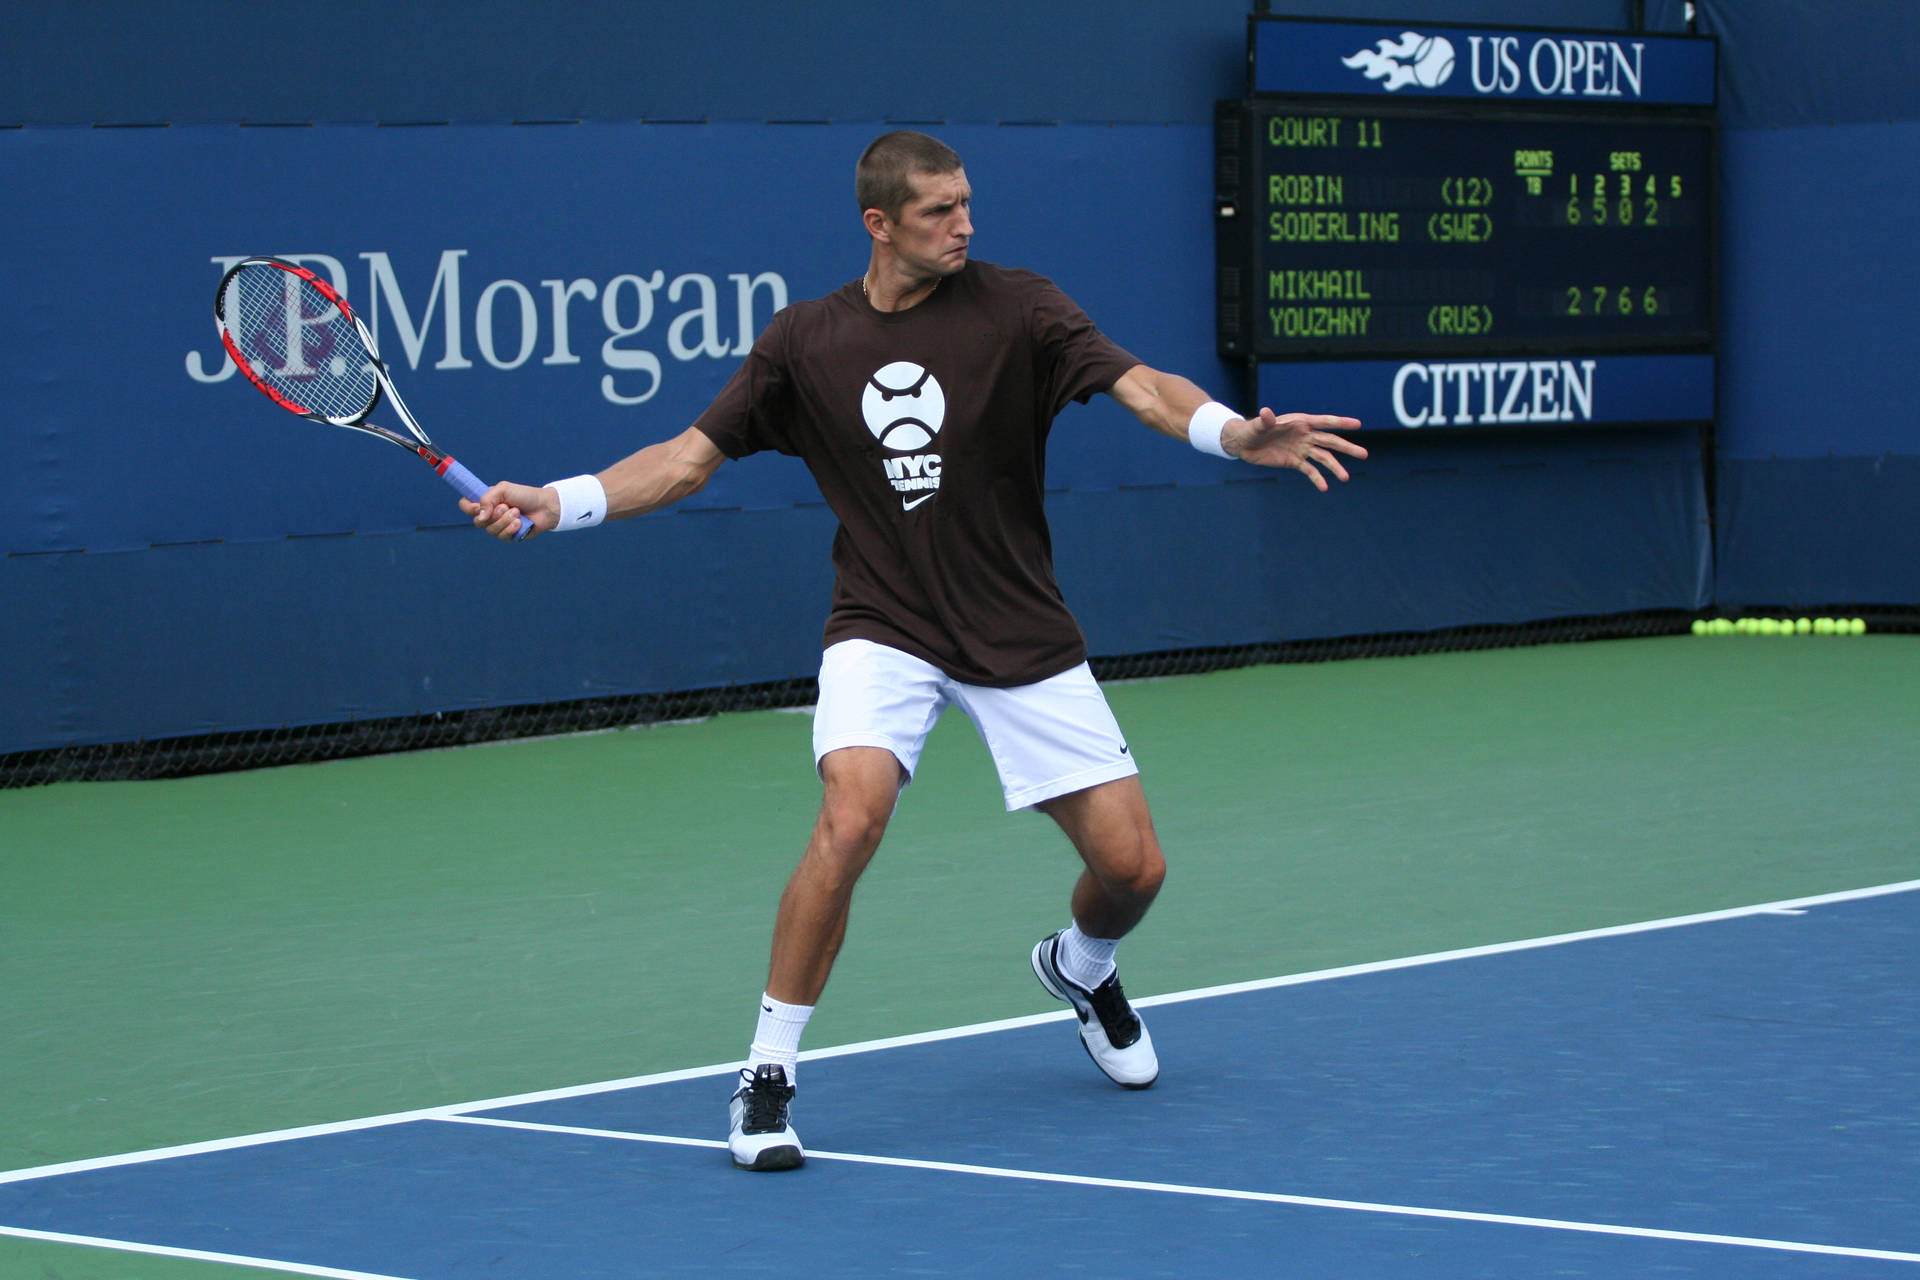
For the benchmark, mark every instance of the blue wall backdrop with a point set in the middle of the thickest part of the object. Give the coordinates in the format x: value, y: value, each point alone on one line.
x: 656, y: 179
x: 1819, y: 441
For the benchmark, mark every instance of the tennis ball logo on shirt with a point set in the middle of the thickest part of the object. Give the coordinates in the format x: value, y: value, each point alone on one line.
x: 904, y: 408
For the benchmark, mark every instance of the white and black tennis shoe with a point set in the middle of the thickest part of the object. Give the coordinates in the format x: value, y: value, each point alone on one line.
x: 762, y: 1137
x: 1110, y: 1031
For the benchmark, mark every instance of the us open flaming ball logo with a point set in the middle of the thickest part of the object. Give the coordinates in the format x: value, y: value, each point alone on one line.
x: 904, y: 408
x: 1412, y: 59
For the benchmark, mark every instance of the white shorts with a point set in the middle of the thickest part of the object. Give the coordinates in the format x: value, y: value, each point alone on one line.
x: 1048, y: 739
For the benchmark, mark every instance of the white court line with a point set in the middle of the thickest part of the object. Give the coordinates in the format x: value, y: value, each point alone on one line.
x: 1789, y: 907
x: 1230, y: 1193
x: 925, y: 1037
x: 197, y: 1255
x: 575, y: 1131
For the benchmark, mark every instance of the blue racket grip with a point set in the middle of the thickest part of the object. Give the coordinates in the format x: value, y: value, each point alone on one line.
x: 471, y: 488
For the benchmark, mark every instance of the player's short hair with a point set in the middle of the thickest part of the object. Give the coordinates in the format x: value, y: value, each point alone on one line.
x: 882, y: 178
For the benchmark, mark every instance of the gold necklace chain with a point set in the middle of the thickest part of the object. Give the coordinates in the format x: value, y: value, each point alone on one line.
x: 869, y: 296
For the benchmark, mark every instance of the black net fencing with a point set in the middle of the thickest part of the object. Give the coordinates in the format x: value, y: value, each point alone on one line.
x: 305, y: 744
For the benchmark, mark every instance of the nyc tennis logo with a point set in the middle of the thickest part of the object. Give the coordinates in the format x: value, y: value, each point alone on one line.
x: 904, y: 407
x: 1412, y: 59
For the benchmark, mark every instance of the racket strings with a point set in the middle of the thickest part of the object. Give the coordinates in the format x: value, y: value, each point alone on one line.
x: 296, y: 341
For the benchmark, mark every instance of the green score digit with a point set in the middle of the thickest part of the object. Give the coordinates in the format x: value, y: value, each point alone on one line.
x: 1601, y: 300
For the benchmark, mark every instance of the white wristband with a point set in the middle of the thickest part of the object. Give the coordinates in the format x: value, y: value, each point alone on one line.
x: 583, y: 502
x: 1205, y: 426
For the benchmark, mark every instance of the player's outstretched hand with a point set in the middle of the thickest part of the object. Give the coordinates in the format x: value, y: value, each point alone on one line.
x: 499, y: 510
x: 1303, y: 441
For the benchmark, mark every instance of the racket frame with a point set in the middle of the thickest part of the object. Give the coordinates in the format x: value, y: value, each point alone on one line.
x: 415, y: 441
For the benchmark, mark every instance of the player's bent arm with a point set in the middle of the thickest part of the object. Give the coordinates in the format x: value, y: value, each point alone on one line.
x: 1164, y: 401
x: 655, y: 477
x: 1304, y: 442
x: 661, y: 474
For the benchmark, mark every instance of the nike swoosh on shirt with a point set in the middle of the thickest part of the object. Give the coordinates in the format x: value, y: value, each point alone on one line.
x: 906, y: 505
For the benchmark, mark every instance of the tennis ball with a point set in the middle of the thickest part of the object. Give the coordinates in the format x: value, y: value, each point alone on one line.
x: 1700, y: 627
x: 1858, y: 626
x: 1432, y: 61
x: 1769, y: 627
x: 1723, y: 626
x: 1804, y: 627
x: 1823, y: 626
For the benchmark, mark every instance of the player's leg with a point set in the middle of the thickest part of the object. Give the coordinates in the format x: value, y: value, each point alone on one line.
x: 861, y: 785
x: 1112, y: 830
x: 876, y: 707
x: 1058, y: 749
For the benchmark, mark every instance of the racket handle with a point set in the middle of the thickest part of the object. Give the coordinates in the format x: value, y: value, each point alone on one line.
x: 473, y: 489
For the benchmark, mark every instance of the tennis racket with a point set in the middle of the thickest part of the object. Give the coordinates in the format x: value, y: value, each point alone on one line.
x: 300, y: 343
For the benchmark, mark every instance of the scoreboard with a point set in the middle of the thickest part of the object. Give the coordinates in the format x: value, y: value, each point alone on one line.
x: 1372, y: 232
x: 1468, y: 196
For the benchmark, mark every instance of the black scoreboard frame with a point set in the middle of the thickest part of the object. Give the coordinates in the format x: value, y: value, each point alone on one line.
x: 1239, y: 227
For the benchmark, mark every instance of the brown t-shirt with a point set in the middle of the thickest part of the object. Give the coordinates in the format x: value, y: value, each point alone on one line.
x: 926, y: 430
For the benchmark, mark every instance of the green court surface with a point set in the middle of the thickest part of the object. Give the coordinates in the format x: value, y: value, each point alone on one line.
x: 200, y: 958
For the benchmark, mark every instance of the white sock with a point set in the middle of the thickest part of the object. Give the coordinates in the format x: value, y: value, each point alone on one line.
x: 1086, y: 961
x: 776, y: 1038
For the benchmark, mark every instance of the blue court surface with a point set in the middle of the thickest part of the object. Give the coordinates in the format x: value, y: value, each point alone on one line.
x: 1735, y: 1094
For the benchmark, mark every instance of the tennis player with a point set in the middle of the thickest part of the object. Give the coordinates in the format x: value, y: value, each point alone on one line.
x: 921, y: 396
